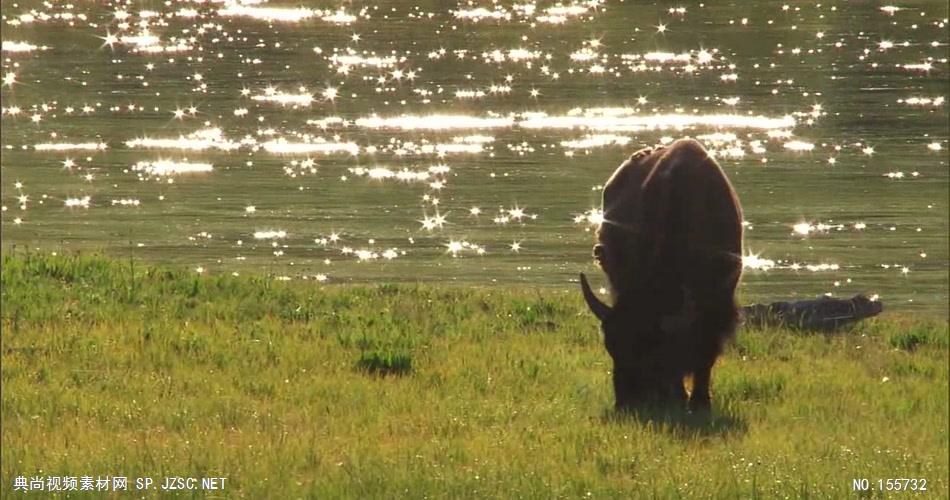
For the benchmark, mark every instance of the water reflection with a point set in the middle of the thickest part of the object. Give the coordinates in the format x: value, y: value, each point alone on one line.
x: 412, y: 139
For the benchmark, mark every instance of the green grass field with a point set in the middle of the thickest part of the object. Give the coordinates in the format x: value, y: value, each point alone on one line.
x: 299, y: 390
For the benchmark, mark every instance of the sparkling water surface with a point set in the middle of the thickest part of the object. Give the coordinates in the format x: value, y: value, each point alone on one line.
x: 467, y: 143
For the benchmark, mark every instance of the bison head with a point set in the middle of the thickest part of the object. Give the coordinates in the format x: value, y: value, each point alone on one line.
x: 643, y: 346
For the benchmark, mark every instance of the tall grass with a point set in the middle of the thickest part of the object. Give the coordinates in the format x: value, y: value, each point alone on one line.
x: 297, y: 390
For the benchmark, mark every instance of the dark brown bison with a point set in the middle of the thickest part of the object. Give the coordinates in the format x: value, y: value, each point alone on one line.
x: 671, y: 247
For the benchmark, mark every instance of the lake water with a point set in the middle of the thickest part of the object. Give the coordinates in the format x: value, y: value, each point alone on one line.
x: 467, y: 143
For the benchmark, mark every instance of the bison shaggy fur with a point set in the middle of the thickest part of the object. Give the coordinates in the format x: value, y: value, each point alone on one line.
x: 671, y: 247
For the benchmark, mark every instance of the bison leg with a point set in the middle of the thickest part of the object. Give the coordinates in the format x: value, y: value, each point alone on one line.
x: 717, y: 323
x: 678, y: 392
x: 699, y: 400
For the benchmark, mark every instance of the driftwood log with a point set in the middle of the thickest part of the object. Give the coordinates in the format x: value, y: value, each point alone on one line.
x: 821, y: 314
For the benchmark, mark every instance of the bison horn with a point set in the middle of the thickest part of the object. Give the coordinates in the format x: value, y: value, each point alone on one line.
x: 596, y: 306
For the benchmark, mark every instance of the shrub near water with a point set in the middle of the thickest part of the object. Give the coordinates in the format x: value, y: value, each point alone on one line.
x: 918, y: 335
x: 385, y: 363
x: 296, y: 390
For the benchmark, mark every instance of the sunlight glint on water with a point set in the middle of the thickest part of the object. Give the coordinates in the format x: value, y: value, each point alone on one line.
x: 367, y: 142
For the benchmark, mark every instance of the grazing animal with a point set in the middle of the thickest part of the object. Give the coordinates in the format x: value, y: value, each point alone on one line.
x: 671, y: 247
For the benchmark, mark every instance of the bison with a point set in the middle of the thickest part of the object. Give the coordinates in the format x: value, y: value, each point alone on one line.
x: 671, y: 247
